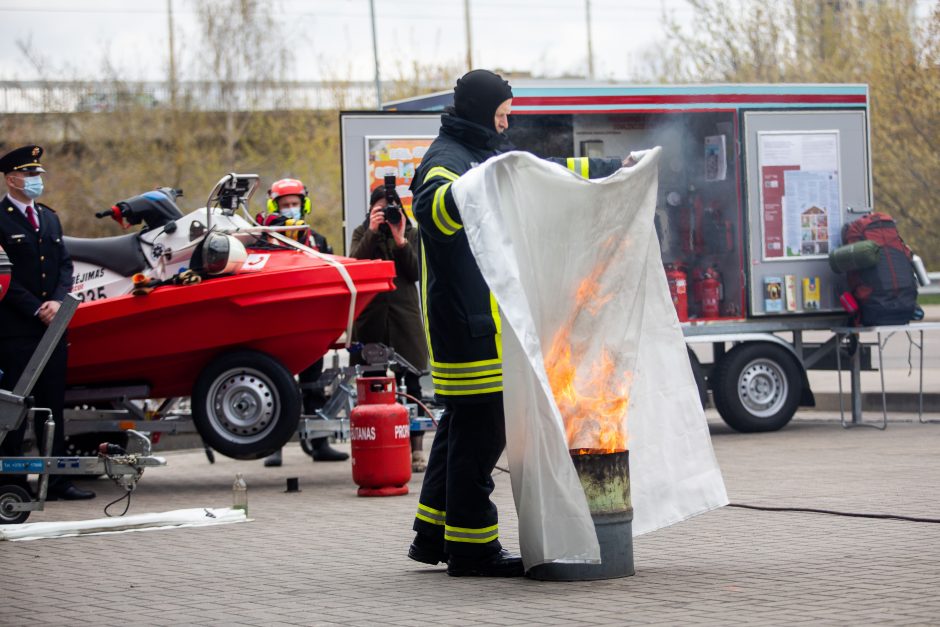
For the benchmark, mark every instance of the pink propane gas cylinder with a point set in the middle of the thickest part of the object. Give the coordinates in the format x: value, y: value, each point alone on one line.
x: 379, y: 429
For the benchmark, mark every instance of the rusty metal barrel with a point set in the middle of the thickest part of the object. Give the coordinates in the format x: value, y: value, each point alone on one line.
x: 605, y: 478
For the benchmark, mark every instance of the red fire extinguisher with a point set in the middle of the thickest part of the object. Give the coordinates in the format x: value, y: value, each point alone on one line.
x: 711, y: 293
x: 678, y: 289
x: 379, y: 430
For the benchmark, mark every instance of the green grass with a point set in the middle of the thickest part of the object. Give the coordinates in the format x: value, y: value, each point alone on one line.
x: 929, y: 299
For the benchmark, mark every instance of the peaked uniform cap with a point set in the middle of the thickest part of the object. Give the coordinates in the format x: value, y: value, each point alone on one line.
x: 22, y: 159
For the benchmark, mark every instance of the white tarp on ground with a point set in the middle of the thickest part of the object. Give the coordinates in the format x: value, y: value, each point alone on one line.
x: 196, y: 517
x: 538, y: 231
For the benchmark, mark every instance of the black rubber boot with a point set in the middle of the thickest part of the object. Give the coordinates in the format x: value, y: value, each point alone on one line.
x: 323, y: 452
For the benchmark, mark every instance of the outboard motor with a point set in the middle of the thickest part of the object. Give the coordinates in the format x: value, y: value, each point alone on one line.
x: 155, y: 209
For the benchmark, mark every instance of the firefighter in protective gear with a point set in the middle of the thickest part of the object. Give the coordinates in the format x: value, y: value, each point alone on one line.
x: 456, y: 521
x: 288, y: 204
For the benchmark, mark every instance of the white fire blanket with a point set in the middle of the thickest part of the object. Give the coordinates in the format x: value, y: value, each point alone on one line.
x: 575, y: 264
x: 196, y: 517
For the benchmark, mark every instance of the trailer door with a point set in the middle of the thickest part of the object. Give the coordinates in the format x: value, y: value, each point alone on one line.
x: 804, y: 170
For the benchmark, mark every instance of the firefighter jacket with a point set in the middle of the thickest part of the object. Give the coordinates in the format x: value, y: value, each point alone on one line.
x: 461, y: 315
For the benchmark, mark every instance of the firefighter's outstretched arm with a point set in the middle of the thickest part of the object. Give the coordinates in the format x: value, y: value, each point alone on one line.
x: 589, y: 167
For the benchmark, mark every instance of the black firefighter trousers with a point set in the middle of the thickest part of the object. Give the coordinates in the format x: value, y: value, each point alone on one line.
x: 455, y: 512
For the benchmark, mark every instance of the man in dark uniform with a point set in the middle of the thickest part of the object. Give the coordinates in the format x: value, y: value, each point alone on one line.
x: 456, y: 521
x: 42, y: 277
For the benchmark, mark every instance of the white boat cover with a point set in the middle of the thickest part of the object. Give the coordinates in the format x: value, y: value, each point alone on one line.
x: 538, y: 231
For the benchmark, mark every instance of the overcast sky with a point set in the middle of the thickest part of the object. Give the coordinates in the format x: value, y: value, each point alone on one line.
x: 332, y: 38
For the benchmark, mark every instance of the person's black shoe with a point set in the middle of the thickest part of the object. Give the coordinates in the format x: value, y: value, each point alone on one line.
x: 326, y: 453
x: 502, y: 564
x: 422, y: 551
x: 68, y: 492
x: 274, y: 460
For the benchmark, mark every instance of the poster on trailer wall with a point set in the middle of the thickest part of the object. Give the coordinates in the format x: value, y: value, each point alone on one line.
x: 800, y: 193
x: 395, y: 155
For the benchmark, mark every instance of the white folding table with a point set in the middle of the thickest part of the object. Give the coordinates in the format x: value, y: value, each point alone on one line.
x: 884, y: 333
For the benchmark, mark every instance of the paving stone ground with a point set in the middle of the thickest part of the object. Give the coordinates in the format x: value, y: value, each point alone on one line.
x: 324, y: 556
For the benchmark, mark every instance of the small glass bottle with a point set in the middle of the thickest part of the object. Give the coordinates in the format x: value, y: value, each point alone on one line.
x: 240, y: 493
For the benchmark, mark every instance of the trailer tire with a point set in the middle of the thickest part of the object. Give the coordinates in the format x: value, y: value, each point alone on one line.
x: 757, y: 387
x: 246, y: 405
x: 13, y: 494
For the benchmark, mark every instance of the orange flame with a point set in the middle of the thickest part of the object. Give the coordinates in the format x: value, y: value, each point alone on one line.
x: 593, y: 405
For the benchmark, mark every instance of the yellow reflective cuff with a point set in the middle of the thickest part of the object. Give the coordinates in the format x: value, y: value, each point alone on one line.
x: 442, y: 220
x: 428, y: 519
x: 430, y: 510
x: 474, y: 536
x: 430, y: 515
x: 582, y: 165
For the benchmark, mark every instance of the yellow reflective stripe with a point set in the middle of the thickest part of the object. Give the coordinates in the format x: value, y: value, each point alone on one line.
x: 476, y: 374
x: 430, y: 515
x: 430, y: 510
x: 466, y: 383
x: 581, y: 163
x: 478, y: 388
x: 426, y: 519
x: 442, y: 172
x: 494, y: 389
x: 465, y: 366
x: 494, y: 311
x: 436, y: 211
x: 477, y: 536
x: 442, y: 210
x: 424, y: 302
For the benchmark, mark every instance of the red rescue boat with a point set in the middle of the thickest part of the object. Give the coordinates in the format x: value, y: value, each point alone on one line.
x: 212, y: 306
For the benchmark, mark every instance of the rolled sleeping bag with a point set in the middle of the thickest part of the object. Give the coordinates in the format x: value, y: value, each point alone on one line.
x: 856, y: 256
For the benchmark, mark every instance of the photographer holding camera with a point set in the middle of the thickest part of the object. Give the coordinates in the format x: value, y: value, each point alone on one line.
x: 394, y: 318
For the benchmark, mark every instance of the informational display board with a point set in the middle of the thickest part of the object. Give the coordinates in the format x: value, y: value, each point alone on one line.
x: 807, y: 173
x: 399, y: 156
x: 800, y: 194
x: 375, y: 144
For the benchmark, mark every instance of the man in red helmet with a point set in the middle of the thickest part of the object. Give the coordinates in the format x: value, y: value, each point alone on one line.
x: 288, y: 204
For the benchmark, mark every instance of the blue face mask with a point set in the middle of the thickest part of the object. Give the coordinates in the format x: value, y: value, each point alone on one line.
x: 32, y: 186
x: 291, y: 213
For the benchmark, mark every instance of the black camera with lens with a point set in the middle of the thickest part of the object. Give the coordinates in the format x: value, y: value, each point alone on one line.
x: 393, y: 206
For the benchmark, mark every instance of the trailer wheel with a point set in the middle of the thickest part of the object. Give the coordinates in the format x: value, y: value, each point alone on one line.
x: 246, y: 405
x: 10, y: 495
x: 757, y: 387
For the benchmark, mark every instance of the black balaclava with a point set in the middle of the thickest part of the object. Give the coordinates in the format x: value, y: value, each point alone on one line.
x: 477, y: 96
